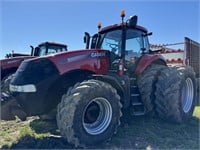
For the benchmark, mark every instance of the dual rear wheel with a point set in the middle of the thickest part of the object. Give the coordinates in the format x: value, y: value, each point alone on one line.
x: 168, y: 92
x: 176, y: 94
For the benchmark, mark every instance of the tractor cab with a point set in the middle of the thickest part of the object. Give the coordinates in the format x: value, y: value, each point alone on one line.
x: 42, y: 49
x: 47, y: 48
x: 126, y: 43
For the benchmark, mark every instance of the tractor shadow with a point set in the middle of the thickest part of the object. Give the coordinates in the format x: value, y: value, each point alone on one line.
x: 45, y: 126
x: 134, y: 133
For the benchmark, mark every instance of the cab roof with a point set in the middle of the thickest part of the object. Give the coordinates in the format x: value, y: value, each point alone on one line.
x: 118, y: 26
x: 52, y: 43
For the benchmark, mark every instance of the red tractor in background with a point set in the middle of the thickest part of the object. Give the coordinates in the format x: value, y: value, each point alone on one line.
x: 92, y: 88
x: 9, y: 67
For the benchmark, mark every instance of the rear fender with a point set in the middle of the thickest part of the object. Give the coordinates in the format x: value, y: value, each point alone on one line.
x: 147, y: 60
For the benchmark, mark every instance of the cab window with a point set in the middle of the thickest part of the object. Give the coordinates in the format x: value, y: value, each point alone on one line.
x: 135, y: 42
x: 112, y: 41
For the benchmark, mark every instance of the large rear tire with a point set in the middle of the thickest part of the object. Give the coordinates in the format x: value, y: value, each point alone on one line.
x: 188, y: 72
x: 146, y: 84
x: 89, y: 113
x: 175, y: 94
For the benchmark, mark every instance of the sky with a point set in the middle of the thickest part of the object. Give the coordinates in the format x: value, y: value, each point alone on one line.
x: 31, y: 22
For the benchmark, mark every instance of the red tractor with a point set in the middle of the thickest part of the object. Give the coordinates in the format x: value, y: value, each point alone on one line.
x: 91, y: 88
x: 9, y: 67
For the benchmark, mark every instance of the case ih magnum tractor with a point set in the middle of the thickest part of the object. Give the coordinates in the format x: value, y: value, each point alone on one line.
x: 91, y: 88
x: 9, y: 66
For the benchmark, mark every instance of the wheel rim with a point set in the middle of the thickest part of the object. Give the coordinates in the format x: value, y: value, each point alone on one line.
x: 97, y: 116
x: 187, y: 95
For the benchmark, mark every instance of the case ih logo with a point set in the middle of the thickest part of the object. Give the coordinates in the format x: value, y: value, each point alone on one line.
x: 96, y: 54
x: 81, y: 57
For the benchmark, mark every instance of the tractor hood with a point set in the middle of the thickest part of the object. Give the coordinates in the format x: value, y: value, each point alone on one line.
x: 95, y: 60
x: 35, y: 70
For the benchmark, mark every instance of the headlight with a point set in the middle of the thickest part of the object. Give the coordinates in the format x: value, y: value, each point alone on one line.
x: 22, y: 88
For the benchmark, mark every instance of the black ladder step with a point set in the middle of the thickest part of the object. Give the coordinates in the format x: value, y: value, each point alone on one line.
x: 137, y: 108
x: 138, y: 113
x: 137, y: 104
x: 135, y: 95
x: 133, y: 81
x: 133, y: 86
x: 133, y: 78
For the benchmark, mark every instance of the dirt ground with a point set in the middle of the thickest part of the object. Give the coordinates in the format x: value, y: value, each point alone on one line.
x: 134, y: 133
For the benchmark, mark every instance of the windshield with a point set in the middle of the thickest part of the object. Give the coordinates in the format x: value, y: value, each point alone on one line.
x: 55, y: 49
x: 135, y: 42
x: 51, y: 49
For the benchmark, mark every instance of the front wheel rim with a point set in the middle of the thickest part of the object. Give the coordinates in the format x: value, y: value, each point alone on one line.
x: 187, y: 95
x: 101, y: 120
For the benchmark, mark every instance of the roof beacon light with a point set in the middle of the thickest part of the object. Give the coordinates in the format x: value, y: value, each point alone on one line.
x: 123, y: 15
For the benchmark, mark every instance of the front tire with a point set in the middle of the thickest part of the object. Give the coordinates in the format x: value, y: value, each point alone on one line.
x: 89, y: 113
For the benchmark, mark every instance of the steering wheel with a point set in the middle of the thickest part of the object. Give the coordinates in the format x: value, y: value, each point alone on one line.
x: 113, y: 45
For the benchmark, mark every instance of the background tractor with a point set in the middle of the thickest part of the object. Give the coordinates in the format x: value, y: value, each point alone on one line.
x: 92, y: 88
x: 9, y: 107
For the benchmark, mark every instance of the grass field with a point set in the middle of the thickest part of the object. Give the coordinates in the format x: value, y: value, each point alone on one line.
x: 134, y: 133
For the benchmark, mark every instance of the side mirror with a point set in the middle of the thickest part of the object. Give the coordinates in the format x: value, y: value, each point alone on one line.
x: 150, y: 33
x: 147, y: 34
x: 86, y: 40
x: 132, y: 21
